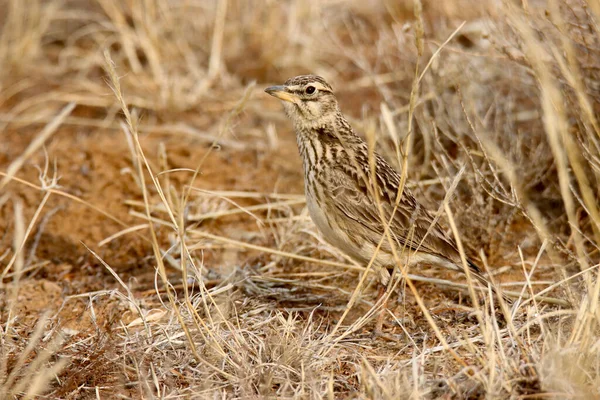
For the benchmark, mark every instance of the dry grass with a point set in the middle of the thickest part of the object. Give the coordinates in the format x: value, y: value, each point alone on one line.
x: 153, y: 239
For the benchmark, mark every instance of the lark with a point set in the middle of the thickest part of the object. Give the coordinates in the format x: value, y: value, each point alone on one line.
x: 349, y: 202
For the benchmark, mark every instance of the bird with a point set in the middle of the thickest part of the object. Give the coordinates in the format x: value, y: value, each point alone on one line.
x: 349, y: 201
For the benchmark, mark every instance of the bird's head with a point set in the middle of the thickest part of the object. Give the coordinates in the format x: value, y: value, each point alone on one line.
x: 308, y: 100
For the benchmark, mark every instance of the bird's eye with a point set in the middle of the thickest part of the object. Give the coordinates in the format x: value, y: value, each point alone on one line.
x: 310, y: 90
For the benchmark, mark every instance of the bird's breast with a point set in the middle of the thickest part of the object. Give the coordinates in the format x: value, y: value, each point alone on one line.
x: 322, y: 212
x: 316, y: 205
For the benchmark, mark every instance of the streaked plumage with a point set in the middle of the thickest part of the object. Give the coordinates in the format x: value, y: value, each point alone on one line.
x: 341, y: 190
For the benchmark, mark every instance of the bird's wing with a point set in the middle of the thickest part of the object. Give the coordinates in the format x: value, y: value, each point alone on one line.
x: 411, y: 225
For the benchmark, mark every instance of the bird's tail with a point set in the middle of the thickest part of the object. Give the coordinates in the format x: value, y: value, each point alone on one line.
x: 475, y: 271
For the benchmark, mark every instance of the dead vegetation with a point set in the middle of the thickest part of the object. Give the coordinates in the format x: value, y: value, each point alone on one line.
x: 153, y: 239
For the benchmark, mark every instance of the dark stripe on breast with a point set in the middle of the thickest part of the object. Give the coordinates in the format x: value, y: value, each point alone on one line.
x: 326, y: 136
x: 316, y: 192
x: 312, y: 146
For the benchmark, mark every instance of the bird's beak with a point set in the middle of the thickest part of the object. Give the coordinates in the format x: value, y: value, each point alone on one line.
x: 281, y: 93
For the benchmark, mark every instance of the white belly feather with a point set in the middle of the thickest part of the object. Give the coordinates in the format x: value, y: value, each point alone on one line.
x: 335, y: 232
